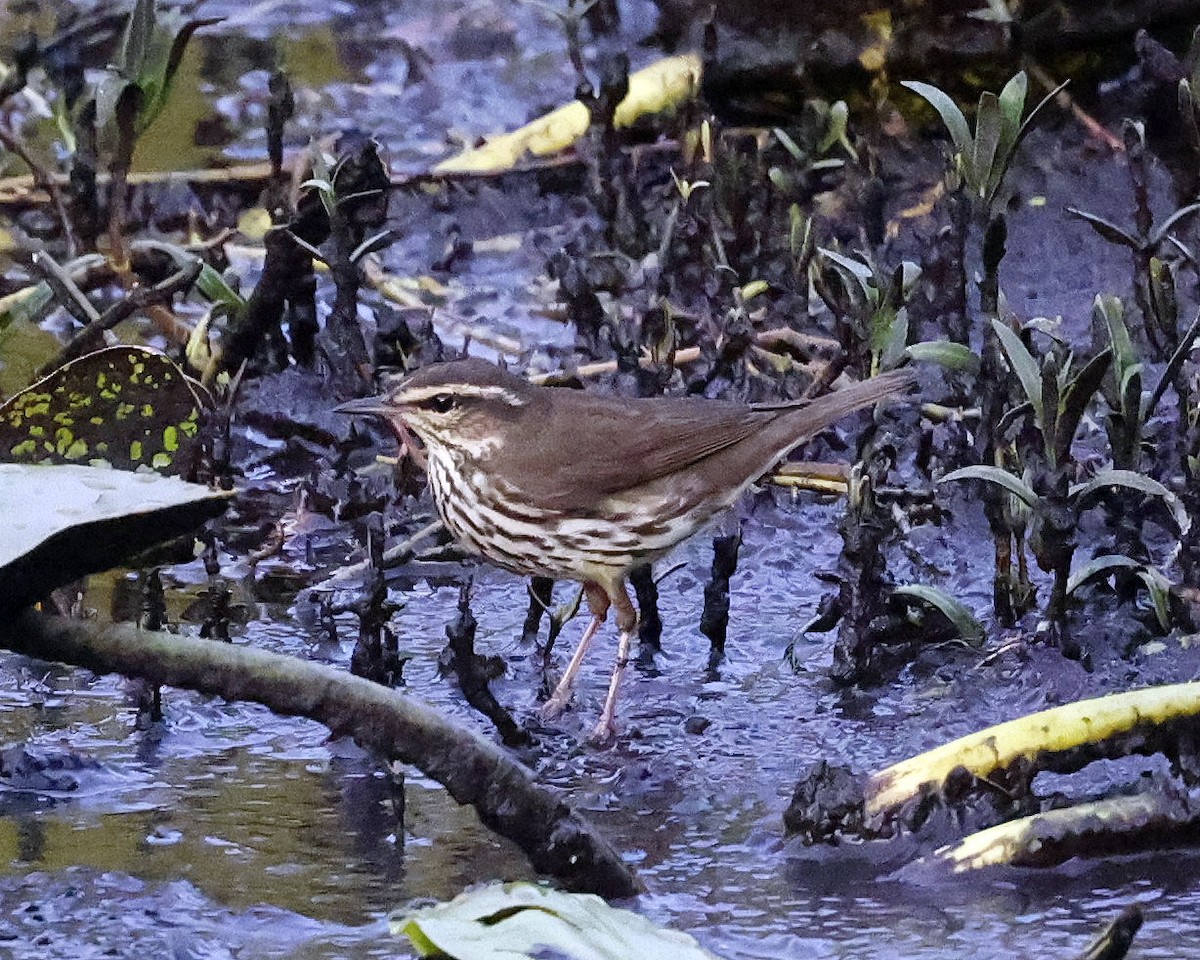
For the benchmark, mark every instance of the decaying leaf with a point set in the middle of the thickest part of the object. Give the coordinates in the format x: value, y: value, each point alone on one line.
x: 652, y: 89
x: 511, y: 921
x: 124, y: 406
x: 63, y: 522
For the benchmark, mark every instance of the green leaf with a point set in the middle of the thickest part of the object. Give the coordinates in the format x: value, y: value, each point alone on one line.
x: 136, y: 39
x: 1024, y: 366
x: 1107, y: 229
x: 1182, y: 352
x: 788, y: 144
x: 945, y: 353
x: 1170, y: 223
x: 856, y: 268
x: 1099, y: 567
x: 214, y: 289
x: 521, y: 921
x: 948, y: 110
x: 895, y: 341
x: 800, y: 235
x: 984, y: 161
x: 1012, y: 102
x: 1078, y: 395
x: 1013, y: 484
x: 1111, y: 312
x: 1028, y: 124
x: 1139, y: 482
x: 1159, y: 588
x: 953, y: 610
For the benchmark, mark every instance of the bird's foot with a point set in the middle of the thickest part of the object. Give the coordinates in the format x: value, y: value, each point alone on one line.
x: 553, y: 708
x: 604, y: 732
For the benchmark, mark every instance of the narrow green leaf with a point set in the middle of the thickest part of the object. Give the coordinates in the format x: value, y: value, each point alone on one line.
x: 953, y: 610
x: 1159, y: 588
x: 895, y: 341
x: 1107, y: 229
x: 948, y: 110
x: 135, y: 41
x: 1182, y: 352
x: 1074, y: 402
x: 1170, y: 223
x: 1099, y: 567
x: 788, y: 144
x: 214, y: 289
x: 1139, y: 482
x: 1028, y: 124
x: 1109, y: 311
x: 1012, y: 102
x: 856, y: 268
x: 1013, y: 484
x: 988, y: 125
x: 1023, y: 365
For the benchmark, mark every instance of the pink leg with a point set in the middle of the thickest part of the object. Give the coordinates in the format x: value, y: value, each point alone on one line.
x: 627, y: 619
x: 557, y: 703
x: 606, y: 727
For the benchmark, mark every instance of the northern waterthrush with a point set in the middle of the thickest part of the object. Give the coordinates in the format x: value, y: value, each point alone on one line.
x: 575, y: 486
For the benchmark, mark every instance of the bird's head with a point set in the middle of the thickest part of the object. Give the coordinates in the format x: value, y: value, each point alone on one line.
x: 464, y: 405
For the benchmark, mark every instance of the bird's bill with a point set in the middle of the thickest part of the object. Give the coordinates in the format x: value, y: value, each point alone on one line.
x: 364, y: 406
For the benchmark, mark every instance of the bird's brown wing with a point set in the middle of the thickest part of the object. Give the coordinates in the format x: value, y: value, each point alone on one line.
x: 594, y: 447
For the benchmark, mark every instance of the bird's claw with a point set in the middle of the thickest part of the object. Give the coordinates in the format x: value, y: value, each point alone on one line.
x: 603, y: 732
x: 553, y: 708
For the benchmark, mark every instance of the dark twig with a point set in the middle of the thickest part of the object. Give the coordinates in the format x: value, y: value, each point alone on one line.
x: 714, y: 621
x: 140, y: 298
x: 1116, y: 939
x: 12, y: 142
x: 65, y: 290
x: 469, y: 668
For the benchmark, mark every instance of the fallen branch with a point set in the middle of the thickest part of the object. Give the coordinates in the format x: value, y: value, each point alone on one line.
x: 556, y: 839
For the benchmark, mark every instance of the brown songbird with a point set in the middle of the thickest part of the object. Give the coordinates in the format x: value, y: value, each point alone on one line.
x: 574, y: 486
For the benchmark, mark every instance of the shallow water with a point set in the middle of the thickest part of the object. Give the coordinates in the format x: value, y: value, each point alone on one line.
x: 229, y: 826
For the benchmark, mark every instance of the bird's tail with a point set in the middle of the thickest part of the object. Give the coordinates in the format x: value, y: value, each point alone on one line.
x: 812, y: 416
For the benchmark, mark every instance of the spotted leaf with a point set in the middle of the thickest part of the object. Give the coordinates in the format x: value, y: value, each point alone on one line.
x: 125, y: 406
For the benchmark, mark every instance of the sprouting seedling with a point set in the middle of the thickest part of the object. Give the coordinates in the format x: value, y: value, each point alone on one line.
x: 1057, y: 396
x: 983, y: 158
x: 324, y: 182
x: 1145, y: 239
x: 688, y: 187
x: 875, y: 304
x: 1129, y: 406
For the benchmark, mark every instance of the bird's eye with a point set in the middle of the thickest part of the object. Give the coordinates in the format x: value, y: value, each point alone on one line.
x: 442, y: 403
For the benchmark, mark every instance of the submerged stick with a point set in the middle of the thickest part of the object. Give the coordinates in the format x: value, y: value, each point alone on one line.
x: 557, y: 840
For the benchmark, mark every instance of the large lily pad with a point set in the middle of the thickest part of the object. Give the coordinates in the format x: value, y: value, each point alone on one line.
x: 125, y: 406
x: 63, y: 522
